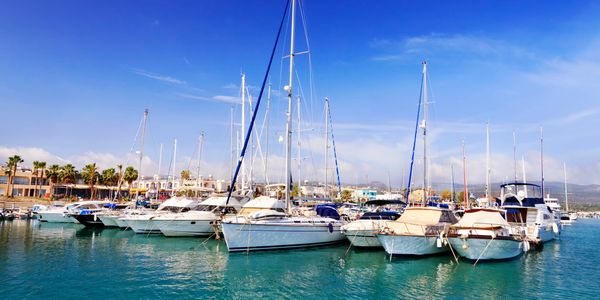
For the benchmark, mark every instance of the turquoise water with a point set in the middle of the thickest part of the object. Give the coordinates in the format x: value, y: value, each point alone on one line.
x: 70, y: 261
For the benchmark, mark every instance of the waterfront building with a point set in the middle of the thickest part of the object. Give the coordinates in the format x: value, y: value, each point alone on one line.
x: 25, y: 181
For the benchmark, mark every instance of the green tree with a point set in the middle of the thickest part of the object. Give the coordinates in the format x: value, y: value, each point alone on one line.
x: 53, y: 175
x: 186, y: 175
x: 68, y: 175
x: 90, y: 175
x: 130, y: 176
x: 446, y: 195
x: 346, y: 195
x: 38, y: 170
x: 12, y: 164
x: 109, y: 178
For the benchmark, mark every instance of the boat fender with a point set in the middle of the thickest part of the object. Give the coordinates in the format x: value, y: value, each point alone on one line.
x: 464, y: 246
x: 438, y: 241
x: 330, y: 227
x: 555, y: 228
x: 526, y: 246
x: 95, y: 216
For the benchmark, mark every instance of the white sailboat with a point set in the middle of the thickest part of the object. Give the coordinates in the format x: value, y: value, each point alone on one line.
x: 271, y: 229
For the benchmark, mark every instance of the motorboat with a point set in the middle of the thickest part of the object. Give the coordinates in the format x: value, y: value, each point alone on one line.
x: 418, y: 231
x: 526, y: 208
x: 363, y: 232
x: 144, y: 223
x: 201, y: 221
x: 484, y: 234
x: 86, y: 213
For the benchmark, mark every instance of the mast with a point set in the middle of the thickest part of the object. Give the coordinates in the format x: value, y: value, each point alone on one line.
x: 174, y: 163
x: 424, y: 126
x: 289, y: 89
x: 487, y: 161
x: 524, y: 174
x: 298, y: 152
x: 199, y: 158
x: 566, y: 193
x: 515, y: 154
x: 542, y: 157
x: 267, y: 134
x: 326, y: 140
x: 243, y: 128
x: 142, y: 148
x: 464, y: 176
x: 231, y: 145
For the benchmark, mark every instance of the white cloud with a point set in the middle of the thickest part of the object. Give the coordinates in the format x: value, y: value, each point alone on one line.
x: 30, y: 154
x: 154, y: 76
x: 217, y: 98
x: 425, y: 45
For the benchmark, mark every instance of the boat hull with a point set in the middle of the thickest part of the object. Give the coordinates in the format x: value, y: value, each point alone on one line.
x: 486, y: 248
x: 89, y: 220
x: 109, y: 220
x: 254, y: 237
x: 145, y: 226
x: 121, y: 223
x: 411, y: 244
x: 185, y: 227
x: 56, y: 217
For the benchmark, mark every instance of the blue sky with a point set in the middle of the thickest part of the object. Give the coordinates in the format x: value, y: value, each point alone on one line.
x: 76, y: 76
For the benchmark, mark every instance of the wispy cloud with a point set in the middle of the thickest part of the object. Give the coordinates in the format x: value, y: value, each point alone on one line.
x: 166, y: 79
x: 217, y: 98
x: 445, y: 44
x: 574, y: 117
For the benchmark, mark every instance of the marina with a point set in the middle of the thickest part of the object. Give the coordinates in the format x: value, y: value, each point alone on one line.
x: 50, y: 260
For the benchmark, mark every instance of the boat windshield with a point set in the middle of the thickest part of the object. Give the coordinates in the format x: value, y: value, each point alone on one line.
x: 522, y: 189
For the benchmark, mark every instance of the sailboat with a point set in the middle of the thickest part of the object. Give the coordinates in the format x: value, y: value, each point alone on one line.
x: 419, y: 230
x: 272, y: 229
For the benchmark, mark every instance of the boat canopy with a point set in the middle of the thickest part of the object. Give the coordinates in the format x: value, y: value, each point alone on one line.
x: 480, y: 218
x: 222, y: 202
x: 328, y: 210
x: 177, y: 202
x: 426, y: 216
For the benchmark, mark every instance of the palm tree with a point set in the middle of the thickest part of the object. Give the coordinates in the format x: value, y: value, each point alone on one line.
x: 120, y: 167
x: 90, y: 176
x: 186, y: 174
x: 68, y: 175
x: 8, y: 173
x: 109, y: 177
x: 38, y: 171
x: 130, y: 176
x: 53, y: 175
x: 12, y: 163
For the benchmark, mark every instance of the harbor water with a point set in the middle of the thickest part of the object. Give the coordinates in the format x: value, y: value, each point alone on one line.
x: 69, y: 261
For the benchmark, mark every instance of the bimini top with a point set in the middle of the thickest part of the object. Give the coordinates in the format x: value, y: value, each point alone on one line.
x: 426, y: 216
x: 520, y: 194
x: 482, y: 218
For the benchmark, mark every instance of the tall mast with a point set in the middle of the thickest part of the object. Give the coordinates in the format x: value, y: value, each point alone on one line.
x: 298, y: 152
x: 267, y: 134
x: 542, y: 157
x: 231, y: 144
x: 326, y: 140
x: 243, y: 127
x: 142, y: 147
x: 199, y: 158
x: 452, y: 191
x: 487, y: 161
x: 465, y: 190
x: 174, y: 163
x: 289, y: 89
x: 515, y: 154
x: 566, y: 193
x: 524, y: 174
x: 424, y: 126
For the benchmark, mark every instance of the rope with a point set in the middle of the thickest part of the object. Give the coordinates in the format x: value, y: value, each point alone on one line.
x: 486, y: 246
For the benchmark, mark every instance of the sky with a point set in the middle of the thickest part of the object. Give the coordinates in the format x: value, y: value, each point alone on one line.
x: 75, y: 78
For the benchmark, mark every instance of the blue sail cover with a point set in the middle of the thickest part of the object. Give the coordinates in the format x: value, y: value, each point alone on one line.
x: 328, y: 210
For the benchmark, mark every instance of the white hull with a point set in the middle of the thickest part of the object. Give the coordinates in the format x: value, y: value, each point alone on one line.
x: 363, y: 233
x: 185, y: 227
x: 56, y: 217
x: 486, y: 248
x: 260, y: 236
x: 146, y: 226
x: 410, y: 244
x: 121, y: 223
x: 109, y: 220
